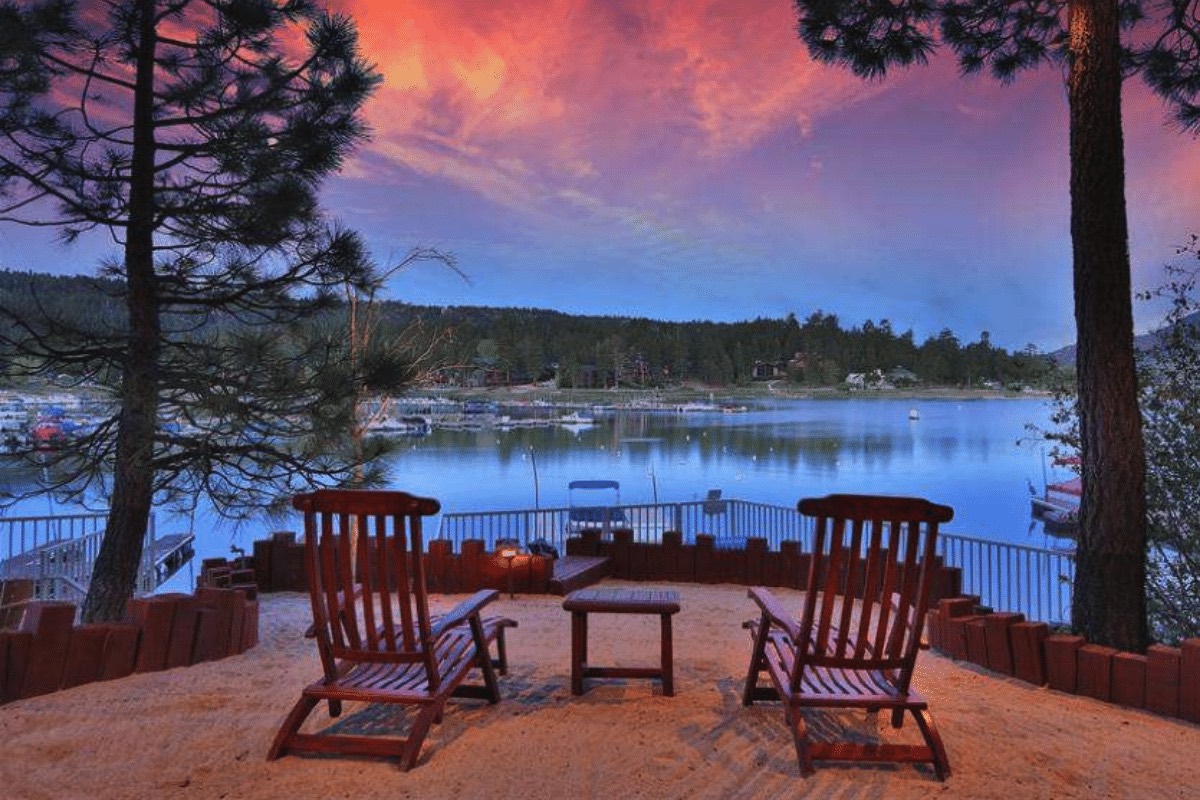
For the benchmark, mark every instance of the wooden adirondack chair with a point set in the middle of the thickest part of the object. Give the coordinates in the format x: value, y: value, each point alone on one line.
x: 855, y: 643
x: 376, y: 638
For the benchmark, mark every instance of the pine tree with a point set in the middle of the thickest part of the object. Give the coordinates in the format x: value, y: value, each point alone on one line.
x: 195, y: 133
x: 1006, y: 37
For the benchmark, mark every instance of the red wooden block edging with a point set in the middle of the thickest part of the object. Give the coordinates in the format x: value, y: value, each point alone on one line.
x: 16, y: 663
x: 1027, y: 640
x: 1189, y: 680
x: 50, y: 624
x: 85, y: 658
x: 1162, y: 679
x: 1061, y: 661
x: 154, y: 616
x: 120, y: 651
x: 1129, y: 679
x: 999, y: 647
x: 977, y: 643
x: 1094, y: 677
x: 50, y: 652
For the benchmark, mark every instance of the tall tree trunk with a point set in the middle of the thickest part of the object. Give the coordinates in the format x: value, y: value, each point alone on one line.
x: 1109, y: 605
x: 115, y: 573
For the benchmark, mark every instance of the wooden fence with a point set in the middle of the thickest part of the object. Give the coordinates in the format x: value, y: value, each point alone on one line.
x: 1164, y: 680
x: 48, y: 652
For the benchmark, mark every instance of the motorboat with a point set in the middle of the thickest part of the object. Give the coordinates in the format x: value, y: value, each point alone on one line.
x: 1058, y: 506
x: 588, y: 509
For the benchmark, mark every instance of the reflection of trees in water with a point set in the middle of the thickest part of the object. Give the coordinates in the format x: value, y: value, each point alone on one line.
x: 789, y: 446
x: 824, y: 445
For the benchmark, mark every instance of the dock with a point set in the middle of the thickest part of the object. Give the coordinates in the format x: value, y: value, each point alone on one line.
x: 55, y: 555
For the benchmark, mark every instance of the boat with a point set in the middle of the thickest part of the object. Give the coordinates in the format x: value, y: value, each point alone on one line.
x: 47, y: 434
x: 576, y: 422
x: 585, y: 514
x: 914, y: 414
x: 1058, y: 506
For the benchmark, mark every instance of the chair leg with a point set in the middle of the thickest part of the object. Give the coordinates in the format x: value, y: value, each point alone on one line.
x: 411, y: 748
x: 295, y: 719
x: 484, y: 659
x: 501, y: 652
x: 757, y: 660
x: 898, y: 717
x: 795, y: 721
x: 941, y: 764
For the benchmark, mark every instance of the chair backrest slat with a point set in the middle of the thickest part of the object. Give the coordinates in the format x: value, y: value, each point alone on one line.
x: 889, y: 539
x: 378, y: 553
x: 854, y: 562
x: 872, y: 556
x: 364, y: 555
x: 831, y: 586
x: 907, y: 597
x: 872, y: 576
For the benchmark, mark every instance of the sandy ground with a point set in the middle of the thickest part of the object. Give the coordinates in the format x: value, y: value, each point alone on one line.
x: 203, y: 731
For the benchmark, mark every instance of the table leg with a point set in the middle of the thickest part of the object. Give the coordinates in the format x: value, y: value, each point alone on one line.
x: 578, y: 650
x: 668, y: 663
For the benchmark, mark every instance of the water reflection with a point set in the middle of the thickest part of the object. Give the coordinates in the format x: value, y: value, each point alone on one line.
x: 964, y: 454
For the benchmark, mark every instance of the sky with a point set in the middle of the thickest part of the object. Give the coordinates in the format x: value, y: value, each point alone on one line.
x: 686, y: 159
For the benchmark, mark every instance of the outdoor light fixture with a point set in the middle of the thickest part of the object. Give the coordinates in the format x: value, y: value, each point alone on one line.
x: 509, y: 554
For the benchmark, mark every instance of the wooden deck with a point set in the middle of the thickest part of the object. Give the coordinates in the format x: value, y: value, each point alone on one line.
x: 578, y: 572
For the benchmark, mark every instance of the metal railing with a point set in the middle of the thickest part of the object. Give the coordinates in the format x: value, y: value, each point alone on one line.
x: 1011, y: 577
x: 23, y: 534
x: 724, y: 519
x: 58, y: 552
x: 1006, y: 577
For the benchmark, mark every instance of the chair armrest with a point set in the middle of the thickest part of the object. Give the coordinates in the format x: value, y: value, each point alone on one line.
x: 464, y: 611
x: 773, y: 611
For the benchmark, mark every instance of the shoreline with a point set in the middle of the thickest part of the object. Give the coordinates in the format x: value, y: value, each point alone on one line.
x: 521, y: 395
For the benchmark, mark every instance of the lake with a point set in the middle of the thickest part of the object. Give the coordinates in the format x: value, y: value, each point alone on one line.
x: 974, y: 455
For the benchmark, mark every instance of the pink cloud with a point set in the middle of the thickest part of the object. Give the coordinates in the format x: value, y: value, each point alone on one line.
x: 576, y: 92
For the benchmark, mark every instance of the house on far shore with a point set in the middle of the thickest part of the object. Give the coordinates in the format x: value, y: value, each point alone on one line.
x: 771, y: 370
x: 768, y: 370
x: 874, y: 380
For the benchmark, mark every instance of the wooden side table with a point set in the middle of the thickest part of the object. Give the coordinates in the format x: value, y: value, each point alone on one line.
x: 582, y: 602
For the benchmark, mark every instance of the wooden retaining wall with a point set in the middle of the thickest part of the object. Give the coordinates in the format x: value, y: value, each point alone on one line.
x: 1164, y: 680
x: 279, y: 567
x: 279, y: 564
x: 48, y: 652
x: 702, y: 562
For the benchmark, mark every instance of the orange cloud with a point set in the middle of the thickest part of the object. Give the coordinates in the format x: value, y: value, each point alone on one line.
x: 519, y: 99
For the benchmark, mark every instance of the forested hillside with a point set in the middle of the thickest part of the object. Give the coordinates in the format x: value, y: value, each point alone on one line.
x: 480, y: 346
x: 523, y: 345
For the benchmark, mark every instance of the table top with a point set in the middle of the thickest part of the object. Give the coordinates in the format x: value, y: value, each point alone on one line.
x: 623, y: 601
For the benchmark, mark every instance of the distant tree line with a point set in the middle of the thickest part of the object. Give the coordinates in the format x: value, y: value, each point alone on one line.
x: 509, y: 345
x: 503, y: 346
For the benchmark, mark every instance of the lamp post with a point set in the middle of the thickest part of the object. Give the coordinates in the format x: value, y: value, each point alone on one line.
x: 509, y: 554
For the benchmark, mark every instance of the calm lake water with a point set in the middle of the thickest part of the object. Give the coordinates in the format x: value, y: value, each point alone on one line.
x: 974, y: 455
